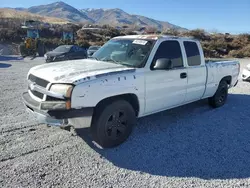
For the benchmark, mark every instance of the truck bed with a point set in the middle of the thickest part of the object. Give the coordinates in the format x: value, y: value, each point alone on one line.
x: 207, y: 60
x: 218, y: 69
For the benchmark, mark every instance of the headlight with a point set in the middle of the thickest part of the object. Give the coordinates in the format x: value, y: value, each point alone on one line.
x: 45, y: 56
x: 63, y: 89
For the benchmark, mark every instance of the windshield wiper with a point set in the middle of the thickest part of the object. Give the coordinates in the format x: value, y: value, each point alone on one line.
x: 111, y: 60
x: 128, y: 65
x: 118, y: 62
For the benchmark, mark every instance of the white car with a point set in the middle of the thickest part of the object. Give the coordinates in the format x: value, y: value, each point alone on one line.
x: 128, y: 78
x: 246, y: 73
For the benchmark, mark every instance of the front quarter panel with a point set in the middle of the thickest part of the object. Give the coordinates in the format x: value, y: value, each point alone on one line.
x: 89, y: 94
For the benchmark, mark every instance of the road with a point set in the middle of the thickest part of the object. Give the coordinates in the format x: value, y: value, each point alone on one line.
x: 189, y: 146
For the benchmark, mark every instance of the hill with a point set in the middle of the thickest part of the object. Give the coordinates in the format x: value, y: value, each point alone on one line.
x: 23, y: 15
x: 118, y: 17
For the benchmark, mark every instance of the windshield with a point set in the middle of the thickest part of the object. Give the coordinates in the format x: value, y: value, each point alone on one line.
x: 63, y: 49
x: 129, y: 52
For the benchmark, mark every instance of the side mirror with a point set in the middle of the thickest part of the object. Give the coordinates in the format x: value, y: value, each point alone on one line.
x: 163, y: 64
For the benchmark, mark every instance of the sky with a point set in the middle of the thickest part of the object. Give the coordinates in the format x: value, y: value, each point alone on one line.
x: 231, y: 16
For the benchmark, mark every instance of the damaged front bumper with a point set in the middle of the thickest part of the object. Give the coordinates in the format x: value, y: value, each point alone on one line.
x: 57, y: 117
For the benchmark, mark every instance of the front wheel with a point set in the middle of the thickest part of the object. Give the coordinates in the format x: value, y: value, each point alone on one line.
x: 220, y: 97
x: 113, y: 123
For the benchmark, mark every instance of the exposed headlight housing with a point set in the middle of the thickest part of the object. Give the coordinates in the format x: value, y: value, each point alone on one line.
x: 63, y: 89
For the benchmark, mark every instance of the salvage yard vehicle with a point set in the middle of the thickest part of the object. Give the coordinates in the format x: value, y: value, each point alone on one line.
x: 65, y: 52
x: 32, y: 44
x: 127, y: 78
x: 92, y: 50
x: 246, y: 74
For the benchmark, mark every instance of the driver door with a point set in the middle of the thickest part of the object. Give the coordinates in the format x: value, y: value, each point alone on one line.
x: 166, y: 88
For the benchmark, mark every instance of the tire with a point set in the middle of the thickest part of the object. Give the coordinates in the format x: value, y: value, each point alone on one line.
x: 220, y: 97
x: 113, y: 123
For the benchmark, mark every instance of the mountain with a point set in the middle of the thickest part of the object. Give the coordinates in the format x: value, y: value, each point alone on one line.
x: 114, y: 17
x: 11, y: 13
x: 119, y: 17
x: 158, y: 24
x: 61, y: 10
x: 109, y: 16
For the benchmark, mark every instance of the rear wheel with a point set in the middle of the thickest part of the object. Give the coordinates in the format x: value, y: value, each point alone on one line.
x: 113, y: 123
x: 220, y: 97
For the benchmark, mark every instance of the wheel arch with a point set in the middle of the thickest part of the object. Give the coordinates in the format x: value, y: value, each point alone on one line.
x: 228, y: 79
x: 131, y: 98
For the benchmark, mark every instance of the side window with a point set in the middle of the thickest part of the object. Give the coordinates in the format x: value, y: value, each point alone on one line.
x: 193, y: 53
x: 169, y: 50
x: 77, y: 49
x: 73, y: 49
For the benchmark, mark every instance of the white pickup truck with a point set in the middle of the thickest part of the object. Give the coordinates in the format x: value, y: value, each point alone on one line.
x: 129, y: 77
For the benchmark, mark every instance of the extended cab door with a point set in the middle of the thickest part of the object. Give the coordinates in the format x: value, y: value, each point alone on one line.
x: 196, y: 71
x: 166, y: 88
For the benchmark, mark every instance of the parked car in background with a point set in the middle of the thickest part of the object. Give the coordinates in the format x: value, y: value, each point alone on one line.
x: 92, y: 50
x: 128, y: 78
x: 246, y: 73
x: 65, y: 52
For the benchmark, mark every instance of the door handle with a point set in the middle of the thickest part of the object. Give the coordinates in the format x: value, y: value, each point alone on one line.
x: 183, y: 75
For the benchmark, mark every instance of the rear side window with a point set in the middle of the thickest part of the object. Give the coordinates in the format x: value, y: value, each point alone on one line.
x: 193, y: 53
x: 170, y: 50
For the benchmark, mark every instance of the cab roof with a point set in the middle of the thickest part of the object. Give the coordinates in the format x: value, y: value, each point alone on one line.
x: 152, y: 37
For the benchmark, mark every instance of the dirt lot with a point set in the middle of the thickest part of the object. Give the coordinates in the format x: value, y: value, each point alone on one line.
x: 190, y: 146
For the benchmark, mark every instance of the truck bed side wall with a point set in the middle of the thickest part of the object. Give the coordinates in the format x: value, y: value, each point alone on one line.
x: 216, y: 71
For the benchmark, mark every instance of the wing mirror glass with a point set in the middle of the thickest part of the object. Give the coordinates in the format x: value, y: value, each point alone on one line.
x: 163, y: 64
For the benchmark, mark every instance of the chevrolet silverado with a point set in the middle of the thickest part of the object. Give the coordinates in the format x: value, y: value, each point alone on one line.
x: 127, y: 78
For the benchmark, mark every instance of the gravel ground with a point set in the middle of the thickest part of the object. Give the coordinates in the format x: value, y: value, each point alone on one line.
x: 190, y: 146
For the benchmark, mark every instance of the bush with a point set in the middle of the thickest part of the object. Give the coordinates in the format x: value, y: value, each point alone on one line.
x: 236, y: 53
x: 198, y: 34
x: 244, y: 52
x: 83, y: 43
x: 214, y: 45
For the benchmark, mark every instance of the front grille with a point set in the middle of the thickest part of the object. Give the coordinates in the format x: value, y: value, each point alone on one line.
x: 49, y: 98
x: 39, y: 81
x: 37, y: 94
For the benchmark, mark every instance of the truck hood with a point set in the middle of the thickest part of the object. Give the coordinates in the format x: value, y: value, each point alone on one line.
x: 76, y: 71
